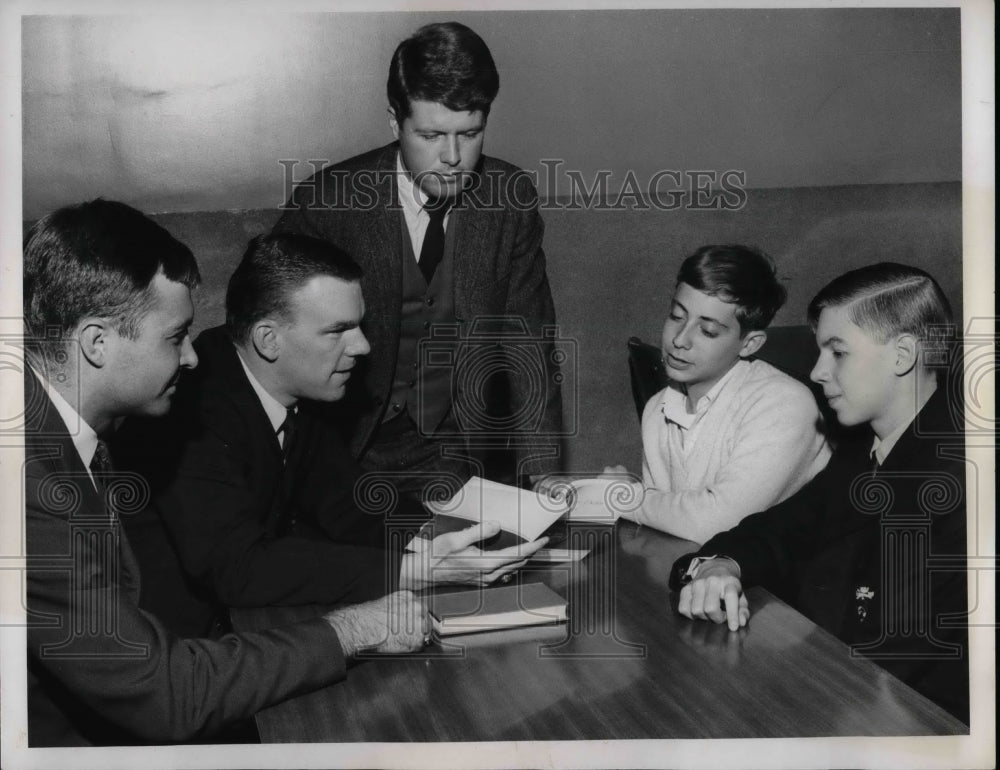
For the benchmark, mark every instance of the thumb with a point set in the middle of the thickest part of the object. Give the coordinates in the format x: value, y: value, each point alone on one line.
x: 457, y: 541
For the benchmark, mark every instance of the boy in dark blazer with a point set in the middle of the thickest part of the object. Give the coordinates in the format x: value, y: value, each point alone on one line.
x: 873, y: 548
x: 107, y: 307
x: 450, y: 241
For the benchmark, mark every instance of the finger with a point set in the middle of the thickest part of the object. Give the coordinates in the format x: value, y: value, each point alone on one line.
x: 505, y: 570
x: 519, y: 551
x: 697, y: 599
x: 713, y: 608
x: 684, y: 602
x: 732, y: 607
x: 744, y: 610
x: 456, y: 541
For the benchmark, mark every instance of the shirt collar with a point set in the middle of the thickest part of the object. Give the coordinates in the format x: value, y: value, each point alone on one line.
x: 881, y: 447
x: 411, y: 197
x: 276, y: 413
x: 84, y: 437
x: 674, y: 403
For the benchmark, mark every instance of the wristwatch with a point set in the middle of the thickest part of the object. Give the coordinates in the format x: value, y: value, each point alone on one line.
x: 689, y: 574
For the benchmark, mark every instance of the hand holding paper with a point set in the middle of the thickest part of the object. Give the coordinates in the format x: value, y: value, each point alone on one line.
x: 454, y: 558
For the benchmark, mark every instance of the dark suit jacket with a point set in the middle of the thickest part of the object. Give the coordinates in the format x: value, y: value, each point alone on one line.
x: 246, y: 527
x: 846, y: 551
x: 102, y: 671
x: 499, y: 271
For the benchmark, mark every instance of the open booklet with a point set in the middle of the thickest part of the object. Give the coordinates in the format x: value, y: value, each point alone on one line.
x: 525, y: 515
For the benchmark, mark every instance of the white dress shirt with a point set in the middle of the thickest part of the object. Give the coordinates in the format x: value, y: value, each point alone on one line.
x: 413, y: 200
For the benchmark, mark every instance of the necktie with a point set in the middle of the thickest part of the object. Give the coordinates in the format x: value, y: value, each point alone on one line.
x: 102, y: 470
x: 289, y: 431
x: 432, y: 251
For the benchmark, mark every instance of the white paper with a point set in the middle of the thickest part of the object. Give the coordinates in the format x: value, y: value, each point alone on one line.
x: 603, y: 500
x: 522, y: 512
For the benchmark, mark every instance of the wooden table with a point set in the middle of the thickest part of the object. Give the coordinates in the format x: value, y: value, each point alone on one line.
x: 626, y: 665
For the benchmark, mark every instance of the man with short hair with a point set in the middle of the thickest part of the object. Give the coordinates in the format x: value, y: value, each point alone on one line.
x: 260, y: 497
x: 873, y: 548
x: 107, y: 308
x: 451, y: 244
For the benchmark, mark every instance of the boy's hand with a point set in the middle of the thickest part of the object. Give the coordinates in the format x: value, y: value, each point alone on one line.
x: 716, y: 594
x: 614, y: 472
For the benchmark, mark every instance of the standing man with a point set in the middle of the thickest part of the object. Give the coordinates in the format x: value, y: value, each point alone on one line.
x: 107, y: 308
x: 450, y: 241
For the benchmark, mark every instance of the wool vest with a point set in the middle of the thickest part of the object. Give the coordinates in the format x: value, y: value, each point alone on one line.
x: 424, y: 391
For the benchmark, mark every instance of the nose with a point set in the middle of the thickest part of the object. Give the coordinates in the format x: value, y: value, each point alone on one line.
x: 682, y: 339
x: 450, y: 155
x: 189, y: 359
x: 819, y: 373
x: 359, y: 344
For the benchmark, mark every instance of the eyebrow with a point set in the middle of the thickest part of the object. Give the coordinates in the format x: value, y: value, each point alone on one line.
x: 342, y: 326
x: 179, y: 327
x: 831, y: 341
x: 701, y: 317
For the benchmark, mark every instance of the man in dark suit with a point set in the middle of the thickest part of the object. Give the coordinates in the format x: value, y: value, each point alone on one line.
x: 873, y: 548
x: 451, y: 244
x: 107, y: 308
x: 252, y: 480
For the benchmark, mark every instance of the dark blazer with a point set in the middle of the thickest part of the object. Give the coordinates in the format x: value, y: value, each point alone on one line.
x: 248, y: 528
x: 499, y: 271
x: 102, y: 671
x: 856, y: 551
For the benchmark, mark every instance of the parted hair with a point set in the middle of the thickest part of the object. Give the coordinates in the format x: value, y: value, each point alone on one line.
x: 738, y: 274
x: 96, y: 259
x: 272, y: 269
x: 446, y: 63
x: 887, y: 299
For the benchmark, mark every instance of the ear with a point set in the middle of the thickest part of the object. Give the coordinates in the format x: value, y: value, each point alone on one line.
x: 907, y: 349
x: 752, y: 342
x: 394, y: 123
x: 93, y: 335
x: 266, y: 339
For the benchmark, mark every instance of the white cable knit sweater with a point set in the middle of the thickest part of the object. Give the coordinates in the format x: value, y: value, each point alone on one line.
x: 752, y: 441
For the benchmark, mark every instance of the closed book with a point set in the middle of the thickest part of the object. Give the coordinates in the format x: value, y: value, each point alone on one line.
x: 491, y: 609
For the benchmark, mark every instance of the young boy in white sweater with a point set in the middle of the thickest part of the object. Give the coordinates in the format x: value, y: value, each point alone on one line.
x: 728, y: 435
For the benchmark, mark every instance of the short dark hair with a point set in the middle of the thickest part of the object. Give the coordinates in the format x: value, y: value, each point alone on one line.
x: 272, y: 268
x: 887, y: 299
x: 446, y: 63
x: 738, y: 274
x: 97, y: 259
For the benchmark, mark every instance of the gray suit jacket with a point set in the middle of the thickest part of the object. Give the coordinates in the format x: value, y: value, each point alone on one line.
x: 102, y: 671
x: 499, y: 274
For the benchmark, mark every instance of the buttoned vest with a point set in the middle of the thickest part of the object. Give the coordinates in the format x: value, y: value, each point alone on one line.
x: 424, y: 391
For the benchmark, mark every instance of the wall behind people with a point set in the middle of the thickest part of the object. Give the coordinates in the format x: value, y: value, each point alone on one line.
x: 842, y: 127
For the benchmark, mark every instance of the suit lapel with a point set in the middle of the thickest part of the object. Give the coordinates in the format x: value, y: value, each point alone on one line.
x: 49, y: 441
x: 220, y: 357
x: 382, y: 260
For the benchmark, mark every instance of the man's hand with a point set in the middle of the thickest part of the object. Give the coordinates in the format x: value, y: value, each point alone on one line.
x: 452, y: 558
x: 716, y: 594
x: 614, y: 472
x: 395, y: 623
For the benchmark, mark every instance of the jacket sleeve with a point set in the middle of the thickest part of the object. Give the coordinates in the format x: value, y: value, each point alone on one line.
x: 529, y: 298
x: 85, y: 631
x: 768, y: 544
